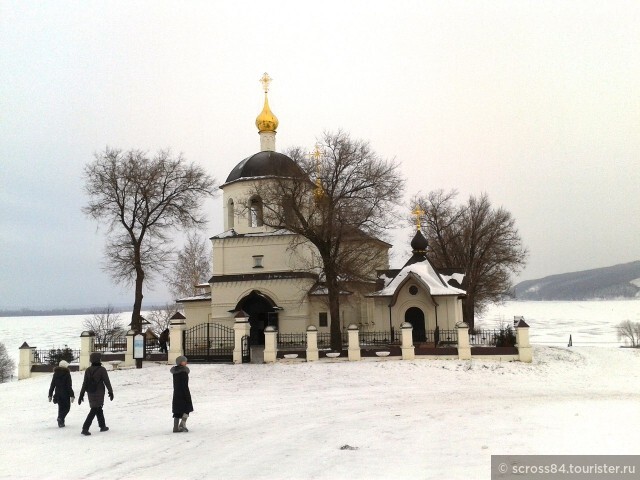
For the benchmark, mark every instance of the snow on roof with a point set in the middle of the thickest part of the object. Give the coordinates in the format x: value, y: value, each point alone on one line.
x: 195, y: 298
x: 458, y: 277
x: 232, y: 233
x: 425, y: 274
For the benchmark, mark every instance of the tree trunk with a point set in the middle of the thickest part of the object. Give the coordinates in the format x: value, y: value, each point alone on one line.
x: 333, y: 291
x: 468, y: 310
x: 136, y: 318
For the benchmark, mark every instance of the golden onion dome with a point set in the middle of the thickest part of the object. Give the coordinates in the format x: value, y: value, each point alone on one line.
x: 266, y: 121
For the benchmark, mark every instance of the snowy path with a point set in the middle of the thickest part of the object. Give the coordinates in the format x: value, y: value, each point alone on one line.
x: 420, y: 419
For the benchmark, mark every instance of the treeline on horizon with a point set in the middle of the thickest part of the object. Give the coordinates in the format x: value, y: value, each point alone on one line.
x: 29, y: 312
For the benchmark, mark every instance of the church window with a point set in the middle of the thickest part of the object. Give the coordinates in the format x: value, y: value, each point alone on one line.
x: 323, y: 319
x: 413, y: 290
x: 255, y: 212
x: 230, y: 214
x: 257, y: 261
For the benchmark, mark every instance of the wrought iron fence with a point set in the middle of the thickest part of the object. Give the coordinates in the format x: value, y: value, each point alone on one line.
x: 485, y: 337
x: 118, y: 344
x: 374, y: 338
x: 324, y: 339
x: 289, y: 340
x: 446, y: 337
x: 53, y: 356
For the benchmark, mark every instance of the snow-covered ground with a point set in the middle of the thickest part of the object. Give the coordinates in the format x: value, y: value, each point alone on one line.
x: 372, y: 419
x: 339, y: 420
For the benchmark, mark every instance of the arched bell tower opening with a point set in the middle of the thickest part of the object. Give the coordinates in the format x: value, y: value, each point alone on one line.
x: 262, y: 311
x: 415, y: 316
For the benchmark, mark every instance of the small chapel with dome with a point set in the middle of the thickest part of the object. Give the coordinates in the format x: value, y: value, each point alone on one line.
x: 256, y: 275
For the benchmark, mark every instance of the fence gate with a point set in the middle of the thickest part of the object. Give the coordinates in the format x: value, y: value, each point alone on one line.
x: 246, y: 350
x: 209, y: 343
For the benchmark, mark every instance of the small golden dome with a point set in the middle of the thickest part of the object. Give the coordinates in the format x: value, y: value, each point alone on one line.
x: 266, y: 121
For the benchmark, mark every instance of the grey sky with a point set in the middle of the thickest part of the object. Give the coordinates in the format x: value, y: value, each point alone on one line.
x: 535, y: 103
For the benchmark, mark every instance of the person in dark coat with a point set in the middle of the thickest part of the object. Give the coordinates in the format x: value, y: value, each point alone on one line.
x: 96, y: 381
x: 163, y: 339
x: 61, y: 390
x: 181, y: 404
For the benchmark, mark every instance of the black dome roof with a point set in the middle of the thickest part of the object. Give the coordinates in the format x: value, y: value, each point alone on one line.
x: 265, y: 164
x: 419, y: 243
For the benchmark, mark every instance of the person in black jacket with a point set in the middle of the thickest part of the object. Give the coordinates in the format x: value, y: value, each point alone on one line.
x: 96, y: 380
x: 164, y: 338
x: 63, y: 396
x: 181, y: 404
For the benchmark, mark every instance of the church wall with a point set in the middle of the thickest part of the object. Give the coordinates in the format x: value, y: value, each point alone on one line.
x: 235, y: 255
x: 289, y: 294
x: 197, y: 312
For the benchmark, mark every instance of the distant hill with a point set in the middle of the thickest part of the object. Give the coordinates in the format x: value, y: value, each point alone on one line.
x: 619, y: 281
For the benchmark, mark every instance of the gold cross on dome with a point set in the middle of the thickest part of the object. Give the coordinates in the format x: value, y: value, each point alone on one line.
x: 265, y: 80
x: 418, y: 212
x: 317, y: 153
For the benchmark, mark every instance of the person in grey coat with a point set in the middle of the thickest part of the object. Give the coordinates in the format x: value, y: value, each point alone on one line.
x: 62, y: 386
x: 96, y: 381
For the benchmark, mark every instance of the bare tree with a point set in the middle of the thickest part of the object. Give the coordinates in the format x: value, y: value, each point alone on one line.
x: 7, y: 364
x: 341, y: 202
x: 192, y: 267
x: 160, y: 318
x: 141, y: 200
x: 629, y: 332
x: 478, y: 238
x: 106, y: 325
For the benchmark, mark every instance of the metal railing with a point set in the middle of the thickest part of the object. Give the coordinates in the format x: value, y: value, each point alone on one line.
x: 289, y: 340
x: 374, y: 338
x: 485, y: 337
x: 118, y: 344
x: 53, y: 356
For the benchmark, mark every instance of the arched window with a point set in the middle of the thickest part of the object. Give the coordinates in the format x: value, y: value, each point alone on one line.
x: 255, y: 212
x: 230, y: 214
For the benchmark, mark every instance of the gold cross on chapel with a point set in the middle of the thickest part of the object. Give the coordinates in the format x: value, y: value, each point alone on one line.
x: 265, y: 80
x: 418, y: 212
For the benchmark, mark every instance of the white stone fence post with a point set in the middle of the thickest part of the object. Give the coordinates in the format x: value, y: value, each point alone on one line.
x: 408, y: 349
x: 87, y: 345
x: 176, y: 329
x: 241, y: 328
x: 312, y: 344
x: 270, y: 344
x: 354, y: 343
x: 464, y: 349
x: 129, y: 361
x: 522, y: 341
x: 26, y: 360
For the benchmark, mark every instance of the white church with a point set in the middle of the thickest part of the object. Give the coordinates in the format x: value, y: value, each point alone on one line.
x: 255, y: 274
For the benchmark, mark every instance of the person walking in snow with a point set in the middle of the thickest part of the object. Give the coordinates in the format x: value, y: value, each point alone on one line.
x: 61, y: 390
x: 181, y: 404
x: 96, y: 380
x: 164, y: 338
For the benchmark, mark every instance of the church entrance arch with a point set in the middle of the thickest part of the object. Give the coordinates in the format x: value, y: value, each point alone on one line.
x: 415, y: 316
x: 262, y: 312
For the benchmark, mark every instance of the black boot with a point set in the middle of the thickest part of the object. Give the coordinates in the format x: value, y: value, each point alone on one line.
x: 60, y: 423
x: 85, y: 432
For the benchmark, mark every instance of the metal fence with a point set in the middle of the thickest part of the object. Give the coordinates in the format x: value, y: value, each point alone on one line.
x: 374, y: 338
x: 446, y: 337
x: 487, y: 338
x: 53, y: 356
x: 118, y: 344
x: 290, y: 340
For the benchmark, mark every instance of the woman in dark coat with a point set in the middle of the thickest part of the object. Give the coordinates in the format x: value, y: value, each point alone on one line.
x: 181, y: 405
x: 62, y: 385
x: 96, y: 380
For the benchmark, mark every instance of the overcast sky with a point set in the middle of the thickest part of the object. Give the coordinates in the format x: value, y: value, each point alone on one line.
x: 535, y: 103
